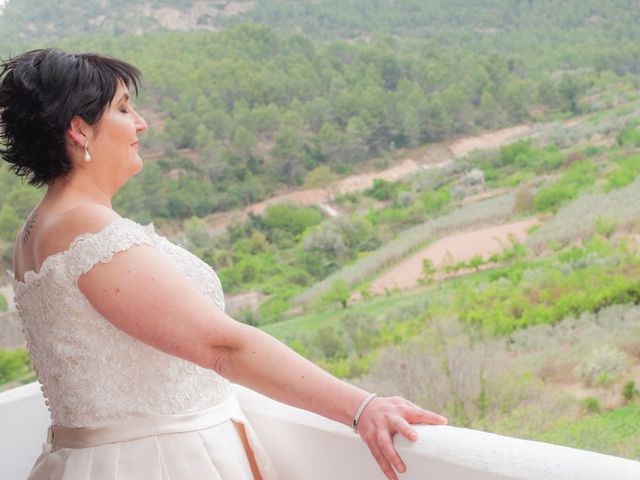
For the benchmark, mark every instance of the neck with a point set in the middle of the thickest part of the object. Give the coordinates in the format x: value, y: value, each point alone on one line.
x: 78, y: 189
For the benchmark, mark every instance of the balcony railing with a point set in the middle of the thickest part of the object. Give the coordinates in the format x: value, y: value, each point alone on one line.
x: 304, y: 446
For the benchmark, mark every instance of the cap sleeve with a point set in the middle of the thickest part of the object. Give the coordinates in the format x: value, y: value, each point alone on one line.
x: 90, y: 249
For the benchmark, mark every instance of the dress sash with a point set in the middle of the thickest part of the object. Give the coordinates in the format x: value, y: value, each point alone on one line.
x: 136, y: 428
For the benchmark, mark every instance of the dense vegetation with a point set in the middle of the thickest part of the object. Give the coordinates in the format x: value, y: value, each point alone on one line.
x: 238, y: 114
x: 243, y: 113
x: 282, y: 107
x: 458, y: 21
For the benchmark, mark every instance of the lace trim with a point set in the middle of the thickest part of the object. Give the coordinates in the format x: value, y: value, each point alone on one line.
x: 89, y: 250
x: 31, y: 276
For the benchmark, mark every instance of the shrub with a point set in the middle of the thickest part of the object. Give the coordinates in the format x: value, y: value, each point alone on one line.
x: 272, y: 309
x: 605, y: 226
x: 3, y: 304
x: 577, y: 177
x: 326, y: 340
x: 475, y: 263
x: 247, y: 315
x: 591, y: 151
x: 435, y: 201
x: 629, y: 136
x: 382, y: 190
x: 603, y: 366
x: 196, y: 231
x: 591, y: 405
x: 339, y: 292
x: 629, y: 391
x: 13, y: 364
x: 523, y: 199
x: 628, y: 168
x: 428, y: 271
x: 291, y: 218
x: 574, y: 157
x: 405, y: 199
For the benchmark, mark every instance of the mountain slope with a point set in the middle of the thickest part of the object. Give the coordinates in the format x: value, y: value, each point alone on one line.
x: 29, y: 20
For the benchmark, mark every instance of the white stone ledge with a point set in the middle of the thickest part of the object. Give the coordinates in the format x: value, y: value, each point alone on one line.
x: 304, y: 446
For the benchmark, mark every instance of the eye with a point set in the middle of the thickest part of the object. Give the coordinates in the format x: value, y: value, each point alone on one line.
x: 124, y: 110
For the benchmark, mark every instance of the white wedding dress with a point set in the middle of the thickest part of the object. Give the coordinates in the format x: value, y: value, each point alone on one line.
x: 122, y: 410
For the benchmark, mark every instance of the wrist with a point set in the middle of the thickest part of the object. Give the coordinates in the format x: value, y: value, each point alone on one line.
x: 358, y: 413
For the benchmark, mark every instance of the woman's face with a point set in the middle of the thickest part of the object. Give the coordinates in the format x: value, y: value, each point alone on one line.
x: 115, y: 144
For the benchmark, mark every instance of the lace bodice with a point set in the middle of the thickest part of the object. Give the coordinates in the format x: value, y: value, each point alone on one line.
x: 93, y: 373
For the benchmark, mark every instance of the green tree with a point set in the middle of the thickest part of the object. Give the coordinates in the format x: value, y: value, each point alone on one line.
x: 320, y: 177
x: 428, y: 271
x: 288, y: 156
x: 9, y: 223
x: 330, y: 143
x: 197, y: 233
x: 356, y: 140
x: 570, y: 90
x: 339, y: 292
x: 475, y: 263
x: 23, y: 198
x: 291, y: 218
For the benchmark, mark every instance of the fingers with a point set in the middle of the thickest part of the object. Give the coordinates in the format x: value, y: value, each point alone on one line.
x: 419, y: 415
x: 384, y: 451
x: 385, y: 441
x: 406, y: 430
x: 382, y: 460
x: 415, y: 414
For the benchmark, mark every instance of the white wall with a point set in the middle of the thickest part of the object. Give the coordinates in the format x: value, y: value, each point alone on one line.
x: 23, y: 423
x: 304, y: 446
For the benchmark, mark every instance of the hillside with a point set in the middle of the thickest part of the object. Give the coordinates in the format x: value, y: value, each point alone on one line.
x: 251, y: 111
x: 459, y: 21
x: 436, y: 197
x: 24, y: 21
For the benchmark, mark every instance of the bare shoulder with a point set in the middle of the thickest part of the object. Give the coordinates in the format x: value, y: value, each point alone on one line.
x: 62, y: 229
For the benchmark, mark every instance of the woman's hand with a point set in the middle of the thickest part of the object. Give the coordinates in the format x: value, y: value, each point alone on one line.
x: 382, y: 418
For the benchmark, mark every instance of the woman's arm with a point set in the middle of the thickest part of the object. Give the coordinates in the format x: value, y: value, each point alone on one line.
x: 143, y: 294
x: 266, y: 365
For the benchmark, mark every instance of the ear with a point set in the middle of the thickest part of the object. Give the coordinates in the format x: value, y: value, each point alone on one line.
x: 79, y: 131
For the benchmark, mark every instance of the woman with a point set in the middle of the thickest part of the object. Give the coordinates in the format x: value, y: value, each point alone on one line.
x: 127, y: 331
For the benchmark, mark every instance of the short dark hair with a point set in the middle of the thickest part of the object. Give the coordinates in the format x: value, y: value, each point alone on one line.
x: 40, y: 92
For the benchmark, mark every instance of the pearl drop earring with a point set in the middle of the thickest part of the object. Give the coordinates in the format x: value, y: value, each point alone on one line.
x: 87, y: 156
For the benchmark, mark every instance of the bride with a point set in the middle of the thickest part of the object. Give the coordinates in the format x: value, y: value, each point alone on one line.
x: 127, y: 331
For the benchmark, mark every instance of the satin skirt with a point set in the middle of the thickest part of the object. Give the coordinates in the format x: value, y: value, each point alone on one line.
x: 205, y: 445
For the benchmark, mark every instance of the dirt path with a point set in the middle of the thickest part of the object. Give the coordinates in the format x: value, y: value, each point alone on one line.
x: 432, y: 157
x: 358, y: 183
x: 489, y: 140
x: 454, y: 248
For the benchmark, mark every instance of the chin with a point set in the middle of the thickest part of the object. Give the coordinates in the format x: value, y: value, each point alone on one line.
x: 137, y: 167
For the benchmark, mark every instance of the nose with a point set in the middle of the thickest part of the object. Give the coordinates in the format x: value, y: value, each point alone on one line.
x: 140, y: 123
